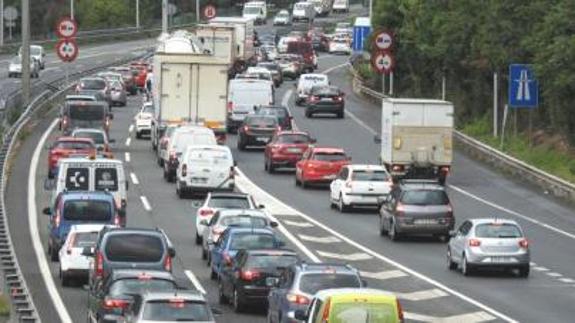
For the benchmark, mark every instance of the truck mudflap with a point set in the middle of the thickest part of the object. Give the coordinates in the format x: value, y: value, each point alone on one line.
x: 439, y: 173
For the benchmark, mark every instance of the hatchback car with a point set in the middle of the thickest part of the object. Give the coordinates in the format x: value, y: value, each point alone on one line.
x: 340, y: 45
x: 275, y: 71
x: 489, y: 243
x: 15, y: 67
x: 280, y: 112
x: 144, y: 120
x: 73, y: 265
x: 128, y: 78
x: 325, y: 99
x: 164, y: 141
x: 295, y: 288
x: 416, y: 207
x: 94, y: 85
x: 66, y: 147
x: 290, y: 65
x: 282, y: 18
x: 285, y: 149
x: 243, y: 282
x: 98, y: 136
x: 359, y: 185
x: 256, y: 130
x: 118, y: 93
x: 320, y: 165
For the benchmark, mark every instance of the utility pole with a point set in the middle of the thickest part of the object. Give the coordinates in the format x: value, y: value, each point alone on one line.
x: 25, y: 52
x: 371, y: 11
x: 137, y: 14
x: 495, y: 104
x: 2, y: 23
x: 165, y: 16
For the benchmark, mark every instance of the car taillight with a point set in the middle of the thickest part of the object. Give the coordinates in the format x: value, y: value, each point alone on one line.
x: 164, y: 143
x: 399, y: 310
x: 314, y: 98
x: 275, y: 148
x: 184, y: 170
x: 249, y: 274
x: 449, y: 211
x: 524, y: 243
x: 474, y: 242
x: 173, y: 154
x: 57, y: 220
x: 227, y: 259
x: 230, y: 106
x: 348, y: 184
x: 297, y: 299
x: 246, y: 128
x: 400, y: 209
x: 232, y: 172
x: 71, y: 243
x: 65, y: 121
x: 444, y: 170
x: 279, y: 128
x: 397, y: 168
x: 117, y: 220
x: 206, y: 212
x: 338, y: 98
x: 168, y: 263
x: 99, y: 264
x: 78, y: 88
x: 111, y: 304
x: 107, y: 122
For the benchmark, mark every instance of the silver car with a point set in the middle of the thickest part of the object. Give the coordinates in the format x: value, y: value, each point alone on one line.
x: 118, y: 93
x: 489, y: 243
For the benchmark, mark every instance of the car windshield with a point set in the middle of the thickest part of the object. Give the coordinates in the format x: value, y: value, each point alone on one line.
x: 244, y: 221
x: 252, y: 10
x: 279, y: 112
x: 497, y: 230
x: 86, y: 112
x: 263, y: 122
x: 148, y: 109
x: 73, y: 145
x: 134, y: 247
x: 187, y: 138
x: 424, y: 197
x: 252, y: 241
x: 329, y: 157
x: 85, y: 239
x: 35, y: 51
x: 370, y: 175
x: 176, y: 310
x: 283, y: 14
x: 98, y: 137
x: 229, y: 202
x: 369, y: 312
x: 92, y: 84
x: 140, y: 285
x: 312, y: 283
x: 269, y: 66
x: 87, y: 210
x: 300, y: 6
x: 271, y: 260
x: 293, y: 139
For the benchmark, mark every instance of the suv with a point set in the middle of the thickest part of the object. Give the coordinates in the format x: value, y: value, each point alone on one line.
x: 416, y: 207
x: 257, y: 130
x: 295, y: 288
x: 144, y: 249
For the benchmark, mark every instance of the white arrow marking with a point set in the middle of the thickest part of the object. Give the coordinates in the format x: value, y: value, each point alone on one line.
x: 302, y: 224
x: 328, y: 239
x: 475, y: 317
x: 382, y: 275
x: 421, y: 295
x: 349, y: 257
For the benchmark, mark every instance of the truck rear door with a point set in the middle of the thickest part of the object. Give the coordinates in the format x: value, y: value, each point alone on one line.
x: 176, y: 100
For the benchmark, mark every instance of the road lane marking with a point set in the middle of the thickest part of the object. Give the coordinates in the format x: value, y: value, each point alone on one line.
x: 554, y: 274
x: 422, y: 295
x: 298, y: 224
x: 333, y: 68
x: 540, y: 268
x: 567, y: 280
x: 128, y: 141
x: 127, y: 157
x: 195, y: 281
x: 134, y: 179
x: 35, y: 233
x: 286, y: 97
x: 328, y: 239
x: 475, y: 317
x: 348, y: 257
x: 131, y: 128
x: 383, y: 275
x: 146, y: 203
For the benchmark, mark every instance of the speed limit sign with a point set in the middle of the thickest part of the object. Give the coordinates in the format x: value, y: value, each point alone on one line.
x: 209, y: 11
x: 383, y: 62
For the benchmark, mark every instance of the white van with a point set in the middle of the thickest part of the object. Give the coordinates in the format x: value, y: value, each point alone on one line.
x: 38, y: 53
x: 205, y: 168
x: 340, y: 6
x: 303, y: 11
x: 283, y: 43
x: 306, y: 82
x: 322, y: 7
x: 256, y: 10
x: 243, y: 96
x: 92, y: 174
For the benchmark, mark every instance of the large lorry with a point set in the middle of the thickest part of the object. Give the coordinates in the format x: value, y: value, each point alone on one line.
x: 416, y: 138
x: 219, y: 40
x: 190, y: 86
x: 244, y: 37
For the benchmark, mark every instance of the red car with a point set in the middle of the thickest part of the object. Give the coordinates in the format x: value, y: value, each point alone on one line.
x: 142, y: 69
x: 320, y: 165
x: 285, y: 149
x: 66, y: 147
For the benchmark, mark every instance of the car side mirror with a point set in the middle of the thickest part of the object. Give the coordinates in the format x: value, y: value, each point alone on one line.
x: 261, y: 206
x: 204, y: 222
x: 112, y: 141
x: 377, y: 139
x: 348, y: 158
x: 274, y: 224
x: 452, y: 233
x: 49, y: 184
x: 363, y: 283
x: 235, y: 163
x: 313, y: 140
x: 272, y: 282
x: 171, y: 252
x: 47, y: 211
x: 88, y: 252
x: 299, y: 315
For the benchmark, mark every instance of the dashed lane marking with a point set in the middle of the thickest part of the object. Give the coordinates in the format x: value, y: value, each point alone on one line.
x: 128, y: 141
x: 567, y: 280
x: 422, y: 295
x: 554, y: 274
x: 475, y: 317
x: 131, y: 128
x: 134, y: 178
x: 127, y: 157
x: 348, y: 257
x: 301, y: 224
x: 146, y: 203
x: 383, y: 275
x: 328, y: 239
x: 540, y: 268
x: 286, y: 97
x: 195, y: 281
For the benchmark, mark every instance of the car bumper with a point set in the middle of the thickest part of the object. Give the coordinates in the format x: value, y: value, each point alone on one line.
x: 256, y: 140
x: 359, y: 199
x: 235, y: 121
x: 285, y: 160
x: 326, y: 108
x: 498, y: 259
x: 412, y: 227
x: 319, y: 178
x: 143, y: 127
x: 254, y: 294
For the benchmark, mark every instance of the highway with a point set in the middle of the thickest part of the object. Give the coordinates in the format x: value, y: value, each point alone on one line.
x: 414, y: 269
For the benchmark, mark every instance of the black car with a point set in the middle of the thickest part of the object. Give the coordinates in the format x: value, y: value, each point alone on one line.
x: 280, y: 112
x: 325, y: 99
x: 320, y: 43
x: 108, y: 299
x: 256, y: 130
x: 244, y: 281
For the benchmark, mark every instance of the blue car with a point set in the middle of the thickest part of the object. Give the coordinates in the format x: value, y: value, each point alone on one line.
x: 78, y: 207
x: 237, y: 238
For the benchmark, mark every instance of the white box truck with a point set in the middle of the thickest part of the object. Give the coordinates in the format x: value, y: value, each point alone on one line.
x: 219, y: 40
x: 190, y: 86
x: 245, y: 51
x: 416, y: 138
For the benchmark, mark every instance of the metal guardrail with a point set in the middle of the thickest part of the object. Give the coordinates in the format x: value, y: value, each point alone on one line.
x: 552, y: 184
x: 21, y: 299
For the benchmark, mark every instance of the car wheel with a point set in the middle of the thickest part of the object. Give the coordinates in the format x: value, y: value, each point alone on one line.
x: 524, y: 271
x: 64, y: 278
x: 271, y: 167
x: 393, y: 234
x: 297, y: 182
x: 382, y: 229
x: 204, y: 253
x: 213, y: 274
x: 198, y: 239
x: 241, y: 145
x: 237, y: 303
x: 466, y: 268
x: 179, y: 191
x: 303, y: 184
x: 160, y: 162
x: 138, y: 135
x: 54, y: 254
x: 308, y: 113
x: 451, y: 265
x: 222, y: 299
x: 341, y: 205
x: 340, y: 114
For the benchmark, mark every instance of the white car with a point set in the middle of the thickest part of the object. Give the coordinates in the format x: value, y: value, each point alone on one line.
x: 144, y: 119
x: 205, y: 168
x: 73, y: 265
x: 270, y: 51
x: 282, y: 18
x: 306, y: 82
x: 359, y: 185
x: 339, y: 46
x: 15, y: 67
x: 262, y: 73
x: 217, y: 201
x: 343, y: 28
x: 37, y: 52
x: 283, y: 43
x: 99, y: 136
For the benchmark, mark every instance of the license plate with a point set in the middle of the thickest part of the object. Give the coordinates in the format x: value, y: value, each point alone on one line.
x: 294, y: 150
x: 326, y: 99
x: 501, y: 259
x: 329, y: 177
x: 262, y: 139
x: 425, y: 221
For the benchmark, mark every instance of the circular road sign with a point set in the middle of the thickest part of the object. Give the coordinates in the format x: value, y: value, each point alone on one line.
x: 383, y: 40
x: 383, y: 63
x: 210, y: 11
x: 66, y: 28
x: 10, y: 13
x: 67, y: 50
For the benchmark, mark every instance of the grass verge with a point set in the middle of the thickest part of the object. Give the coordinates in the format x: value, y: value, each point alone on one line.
x: 4, y: 306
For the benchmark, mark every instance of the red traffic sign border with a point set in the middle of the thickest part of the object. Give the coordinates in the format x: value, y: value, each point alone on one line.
x: 377, y: 35
x: 61, y: 21
x: 207, y: 8
x: 64, y: 58
x: 385, y: 71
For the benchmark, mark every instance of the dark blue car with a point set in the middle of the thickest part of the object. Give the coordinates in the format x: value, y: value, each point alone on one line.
x: 237, y: 238
x: 78, y: 207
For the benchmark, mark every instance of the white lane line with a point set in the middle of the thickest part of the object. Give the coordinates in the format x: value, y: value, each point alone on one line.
x: 328, y: 239
x: 422, y: 295
x: 256, y: 191
x: 127, y: 157
x: 195, y: 281
x: 347, y: 257
x: 35, y: 233
x: 128, y: 141
x: 134, y: 179
x: 146, y: 203
x: 383, y: 275
x: 298, y: 224
x: 567, y: 280
x: 475, y: 317
x: 286, y: 97
x: 333, y: 68
x: 131, y: 128
x: 554, y: 274
x: 541, y: 268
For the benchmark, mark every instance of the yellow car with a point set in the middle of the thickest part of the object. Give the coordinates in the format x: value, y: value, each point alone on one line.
x: 351, y: 305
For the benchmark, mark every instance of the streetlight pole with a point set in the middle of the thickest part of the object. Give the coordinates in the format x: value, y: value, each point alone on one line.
x: 165, y: 16
x: 370, y: 10
x: 25, y: 52
x: 137, y: 14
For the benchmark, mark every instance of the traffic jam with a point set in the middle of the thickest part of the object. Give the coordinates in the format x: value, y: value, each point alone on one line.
x: 196, y: 96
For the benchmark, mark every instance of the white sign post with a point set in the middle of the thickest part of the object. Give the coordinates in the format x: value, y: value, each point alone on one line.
x: 10, y: 15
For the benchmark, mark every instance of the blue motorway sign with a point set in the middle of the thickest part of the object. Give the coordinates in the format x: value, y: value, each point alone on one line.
x: 523, y: 87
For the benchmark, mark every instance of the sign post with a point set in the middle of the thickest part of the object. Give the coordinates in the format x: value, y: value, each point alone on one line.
x: 10, y: 15
x: 66, y: 47
x: 382, y: 59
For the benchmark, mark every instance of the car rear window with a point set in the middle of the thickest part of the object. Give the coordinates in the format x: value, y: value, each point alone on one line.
x: 229, y: 202
x: 134, y: 247
x: 75, y: 145
x: 280, y: 112
x: 176, y: 310
x: 325, y: 91
x: 497, y: 230
x: 313, y: 282
x: 210, y: 157
x: 364, y: 312
x: 325, y: 156
x: 252, y: 241
x: 86, y: 112
x: 139, y: 286
x: 97, y: 137
x: 271, y: 260
x: 425, y: 197
x: 85, y: 239
x: 262, y: 121
x: 93, y: 84
x: 244, y: 221
x: 370, y: 175
x: 187, y: 138
x: 293, y: 139
x: 87, y: 210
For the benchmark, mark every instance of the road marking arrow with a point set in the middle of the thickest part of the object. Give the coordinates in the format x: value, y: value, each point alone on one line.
x: 328, y: 239
x: 301, y: 224
x: 382, y: 275
x: 349, y: 257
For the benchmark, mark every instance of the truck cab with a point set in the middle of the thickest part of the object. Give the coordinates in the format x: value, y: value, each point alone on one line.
x: 256, y: 10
